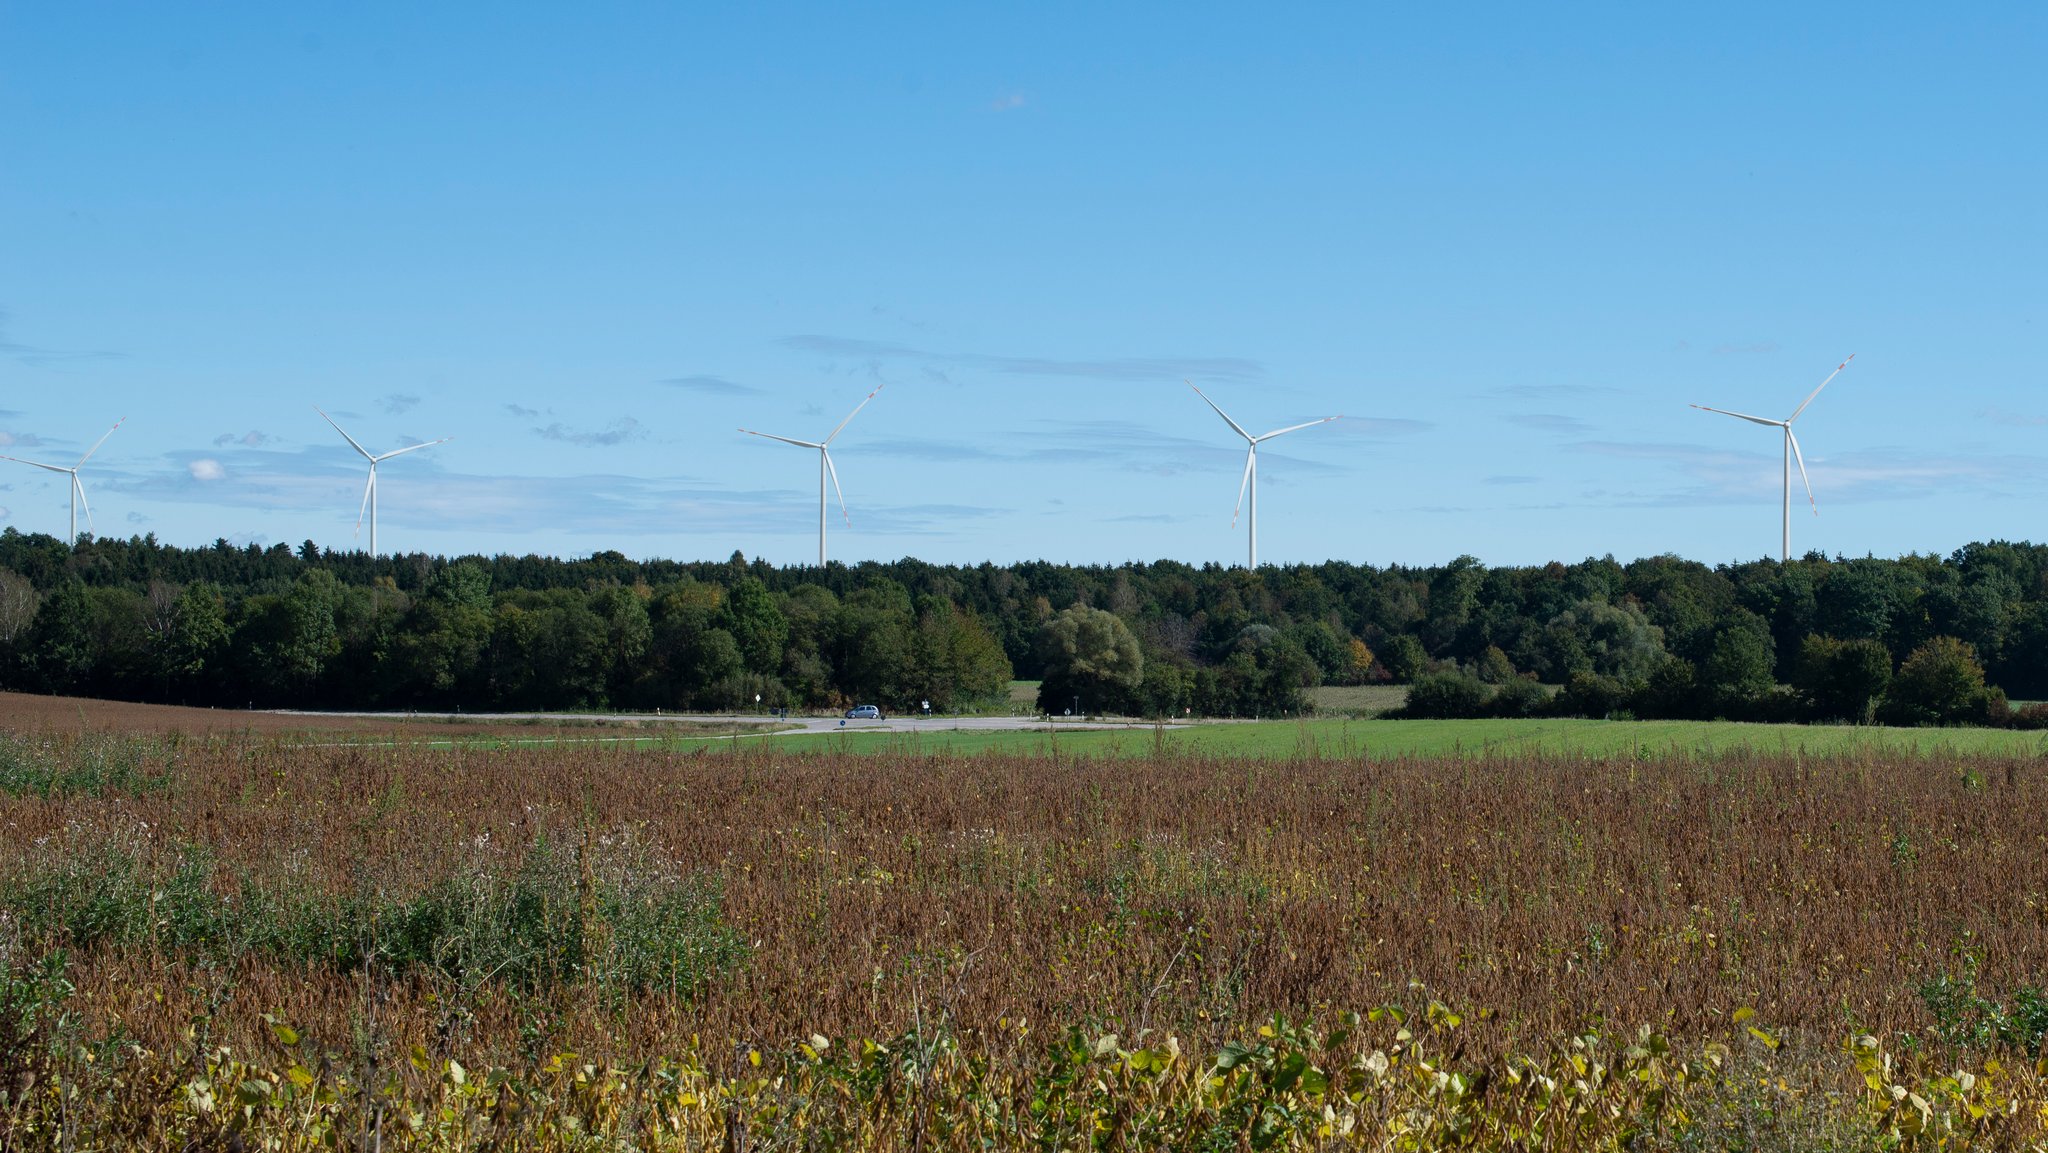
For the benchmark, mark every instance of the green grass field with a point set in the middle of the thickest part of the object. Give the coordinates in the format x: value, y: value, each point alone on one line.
x: 1381, y: 739
x: 1357, y: 700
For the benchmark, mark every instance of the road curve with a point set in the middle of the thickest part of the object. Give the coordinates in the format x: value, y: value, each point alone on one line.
x: 774, y: 726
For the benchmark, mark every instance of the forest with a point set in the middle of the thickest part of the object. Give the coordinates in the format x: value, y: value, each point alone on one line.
x: 1912, y: 640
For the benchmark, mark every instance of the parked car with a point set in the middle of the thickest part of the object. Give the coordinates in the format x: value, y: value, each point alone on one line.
x: 864, y: 713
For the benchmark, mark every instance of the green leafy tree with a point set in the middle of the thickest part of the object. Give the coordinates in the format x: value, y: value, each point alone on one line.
x: 1588, y: 694
x: 1842, y: 680
x: 1494, y: 667
x: 757, y: 624
x: 61, y: 641
x: 1940, y: 683
x: 1090, y: 654
x: 1404, y: 658
x: 196, y: 640
x: 1737, y: 672
x: 1447, y: 695
x: 285, y: 640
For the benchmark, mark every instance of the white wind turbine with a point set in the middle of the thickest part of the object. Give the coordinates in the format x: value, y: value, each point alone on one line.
x: 1250, y: 483
x: 825, y: 468
x: 1792, y: 452
x: 77, y: 487
x: 370, y: 489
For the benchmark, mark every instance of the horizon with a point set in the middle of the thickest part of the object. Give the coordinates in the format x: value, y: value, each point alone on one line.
x: 589, y: 246
x: 798, y: 565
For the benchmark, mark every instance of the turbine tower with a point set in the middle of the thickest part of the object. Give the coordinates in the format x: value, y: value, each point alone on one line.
x: 825, y: 468
x: 1250, y: 483
x: 1792, y: 452
x: 370, y: 489
x: 77, y: 487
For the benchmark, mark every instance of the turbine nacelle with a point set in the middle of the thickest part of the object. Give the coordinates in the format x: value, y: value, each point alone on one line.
x: 826, y: 470
x: 77, y: 485
x: 369, y: 504
x: 1792, y: 453
x: 1250, y: 482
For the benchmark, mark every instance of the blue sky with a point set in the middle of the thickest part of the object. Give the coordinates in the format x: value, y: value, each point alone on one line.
x: 1509, y: 242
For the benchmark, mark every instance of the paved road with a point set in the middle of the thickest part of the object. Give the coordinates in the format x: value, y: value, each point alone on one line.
x: 782, y: 727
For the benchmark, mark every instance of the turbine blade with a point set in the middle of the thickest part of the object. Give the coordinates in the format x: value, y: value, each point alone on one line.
x: 834, y: 474
x: 1816, y: 392
x: 84, y: 503
x: 1219, y: 412
x: 36, y: 464
x: 412, y: 448
x: 368, y: 486
x: 1249, y: 456
x: 344, y: 434
x: 1741, y: 416
x: 1296, y: 427
x: 1796, y: 455
x: 96, y: 444
x: 783, y: 439
x: 856, y: 412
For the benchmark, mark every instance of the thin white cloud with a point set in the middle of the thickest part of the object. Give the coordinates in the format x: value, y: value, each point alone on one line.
x: 1008, y: 101
x: 2016, y: 419
x: 617, y: 432
x: 38, y: 357
x: 1552, y: 391
x: 251, y: 439
x: 398, y: 403
x: 712, y: 385
x: 319, y: 485
x: 1720, y: 475
x: 871, y: 354
x: 1549, y: 422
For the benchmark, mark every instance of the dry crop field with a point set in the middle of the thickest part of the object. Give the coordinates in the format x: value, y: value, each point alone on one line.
x: 242, y: 940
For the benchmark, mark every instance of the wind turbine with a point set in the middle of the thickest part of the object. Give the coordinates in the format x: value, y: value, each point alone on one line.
x: 370, y: 489
x: 825, y: 468
x: 1251, y: 470
x: 77, y: 487
x: 1792, y: 452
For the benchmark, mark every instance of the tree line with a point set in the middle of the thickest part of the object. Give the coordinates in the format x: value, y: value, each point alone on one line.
x: 1916, y: 639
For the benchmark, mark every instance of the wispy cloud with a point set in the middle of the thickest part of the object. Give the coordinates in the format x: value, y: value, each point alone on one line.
x: 930, y: 450
x: 2016, y: 419
x: 35, y: 356
x: 1549, y: 422
x: 325, y: 486
x: 1381, y: 426
x: 20, y: 440
x: 397, y: 403
x: 1552, y: 391
x: 712, y: 385
x: 521, y: 411
x: 617, y: 432
x: 251, y: 439
x: 872, y: 353
x: 1719, y: 475
x: 1007, y: 101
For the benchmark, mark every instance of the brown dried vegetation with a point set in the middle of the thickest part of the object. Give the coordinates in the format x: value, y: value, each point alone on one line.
x: 1199, y: 896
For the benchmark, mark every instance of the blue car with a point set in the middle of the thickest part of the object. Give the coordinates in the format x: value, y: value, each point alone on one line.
x: 864, y: 713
